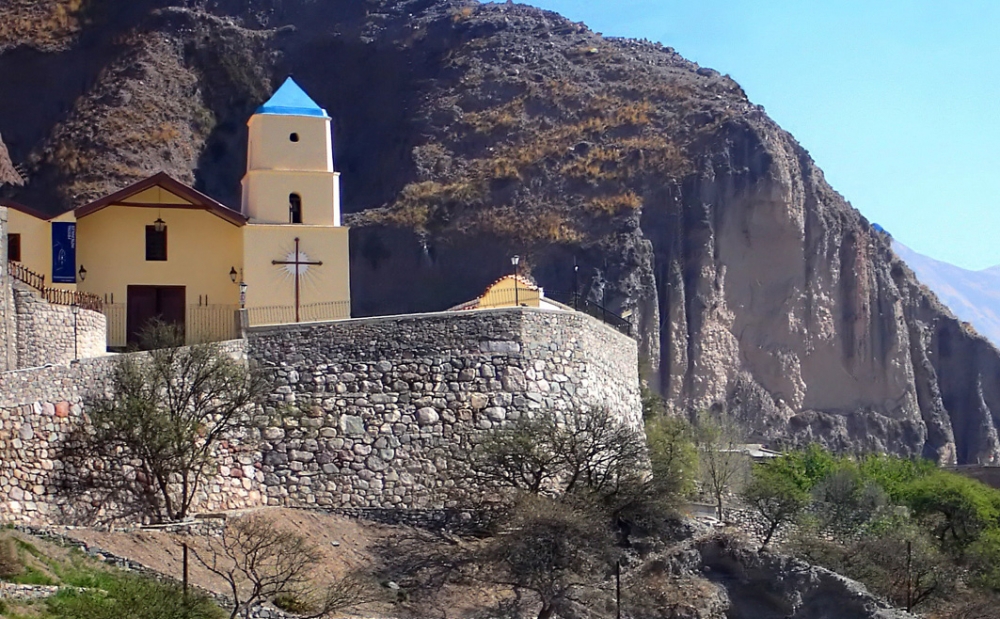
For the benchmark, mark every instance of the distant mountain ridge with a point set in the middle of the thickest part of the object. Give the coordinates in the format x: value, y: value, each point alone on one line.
x: 974, y: 296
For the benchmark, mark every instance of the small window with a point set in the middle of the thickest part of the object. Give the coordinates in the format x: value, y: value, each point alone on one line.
x: 294, y: 137
x: 14, y: 247
x: 156, y: 244
x: 295, y: 208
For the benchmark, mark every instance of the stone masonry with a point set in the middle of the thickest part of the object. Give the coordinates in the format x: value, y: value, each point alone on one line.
x: 364, y: 413
x: 40, y: 407
x: 46, y: 332
x: 369, y: 413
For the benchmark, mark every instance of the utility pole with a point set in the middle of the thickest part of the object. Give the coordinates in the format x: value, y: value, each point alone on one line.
x: 76, y: 338
x: 618, y: 589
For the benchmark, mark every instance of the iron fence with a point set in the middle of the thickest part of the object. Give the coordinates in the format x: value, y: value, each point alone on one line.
x: 582, y: 304
x: 117, y: 316
x: 211, y: 323
x: 311, y: 312
x: 202, y: 324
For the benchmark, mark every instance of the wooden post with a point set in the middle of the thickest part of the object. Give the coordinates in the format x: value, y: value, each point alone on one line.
x: 618, y: 589
x: 184, y: 578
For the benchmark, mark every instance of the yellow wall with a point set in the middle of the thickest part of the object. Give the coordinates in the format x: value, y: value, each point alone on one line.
x: 267, y: 192
x: 201, y: 250
x: 502, y: 294
x: 36, y: 242
x: 271, y: 149
x: 274, y: 285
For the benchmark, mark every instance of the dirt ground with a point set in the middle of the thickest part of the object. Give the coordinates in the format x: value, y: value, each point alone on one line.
x: 347, y: 545
x: 161, y: 551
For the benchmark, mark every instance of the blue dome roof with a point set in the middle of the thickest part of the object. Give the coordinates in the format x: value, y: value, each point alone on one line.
x: 291, y: 100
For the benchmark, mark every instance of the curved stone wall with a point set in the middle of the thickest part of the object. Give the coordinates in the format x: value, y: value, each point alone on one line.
x: 369, y: 413
x: 46, y: 332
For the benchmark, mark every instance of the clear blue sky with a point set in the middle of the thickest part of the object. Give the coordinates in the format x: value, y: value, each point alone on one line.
x: 897, y: 100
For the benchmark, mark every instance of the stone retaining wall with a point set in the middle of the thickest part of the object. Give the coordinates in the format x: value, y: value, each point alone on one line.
x: 40, y: 407
x: 364, y: 413
x: 46, y: 332
x: 369, y: 413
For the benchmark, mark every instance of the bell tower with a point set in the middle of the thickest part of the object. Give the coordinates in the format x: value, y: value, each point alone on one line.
x: 290, y: 176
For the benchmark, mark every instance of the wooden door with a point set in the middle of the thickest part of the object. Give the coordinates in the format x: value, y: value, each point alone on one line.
x: 146, y: 303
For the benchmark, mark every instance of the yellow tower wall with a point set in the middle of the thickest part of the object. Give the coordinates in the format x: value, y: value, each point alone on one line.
x: 270, y: 146
x: 324, y: 291
x: 201, y: 251
x: 267, y: 191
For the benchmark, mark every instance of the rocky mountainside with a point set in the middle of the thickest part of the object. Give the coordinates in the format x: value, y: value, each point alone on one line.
x: 467, y: 133
x: 974, y: 296
x: 8, y: 174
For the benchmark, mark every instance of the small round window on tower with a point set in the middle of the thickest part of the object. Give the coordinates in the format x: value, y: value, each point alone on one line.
x: 294, y: 137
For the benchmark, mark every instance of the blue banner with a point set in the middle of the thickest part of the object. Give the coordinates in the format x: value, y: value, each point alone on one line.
x: 63, y: 253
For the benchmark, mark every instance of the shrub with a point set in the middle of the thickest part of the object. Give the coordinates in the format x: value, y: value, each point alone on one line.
x: 673, y: 457
x: 134, y: 597
x: 10, y: 562
x: 956, y: 509
x: 775, y: 498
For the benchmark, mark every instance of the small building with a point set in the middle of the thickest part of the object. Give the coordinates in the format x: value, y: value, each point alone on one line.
x: 511, y: 291
x: 161, y: 249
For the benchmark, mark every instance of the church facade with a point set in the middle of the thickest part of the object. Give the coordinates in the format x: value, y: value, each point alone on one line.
x: 160, y: 249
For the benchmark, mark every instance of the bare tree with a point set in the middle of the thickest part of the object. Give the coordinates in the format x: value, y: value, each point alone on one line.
x: 259, y: 561
x: 902, y: 563
x: 590, y: 450
x: 724, y: 465
x: 548, y: 555
x: 150, y: 442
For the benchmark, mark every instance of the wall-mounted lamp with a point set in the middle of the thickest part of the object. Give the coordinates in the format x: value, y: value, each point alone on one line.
x: 233, y: 274
x: 82, y: 273
x: 159, y: 225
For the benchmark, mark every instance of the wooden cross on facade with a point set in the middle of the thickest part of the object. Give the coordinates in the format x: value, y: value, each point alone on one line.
x: 300, y: 262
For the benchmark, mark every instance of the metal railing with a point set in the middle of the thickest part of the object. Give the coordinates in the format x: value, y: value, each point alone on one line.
x: 117, y: 315
x: 211, y: 323
x: 598, y: 311
x: 202, y: 324
x: 311, y: 312
x: 56, y: 296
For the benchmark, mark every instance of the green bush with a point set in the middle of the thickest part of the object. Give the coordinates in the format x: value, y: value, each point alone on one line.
x: 894, y: 474
x: 956, y: 509
x: 133, y: 597
x: 673, y: 457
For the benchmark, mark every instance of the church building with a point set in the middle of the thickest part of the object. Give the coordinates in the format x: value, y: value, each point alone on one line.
x: 161, y: 249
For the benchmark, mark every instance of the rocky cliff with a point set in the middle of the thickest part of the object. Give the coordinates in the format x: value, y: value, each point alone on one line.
x: 467, y: 133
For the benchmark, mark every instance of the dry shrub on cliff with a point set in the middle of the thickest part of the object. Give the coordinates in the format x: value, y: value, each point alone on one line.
x: 543, y: 557
x: 562, y: 493
x: 261, y: 561
x: 10, y: 562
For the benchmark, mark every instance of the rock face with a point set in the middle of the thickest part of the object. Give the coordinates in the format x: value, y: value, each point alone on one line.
x: 770, y: 586
x: 8, y: 175
x: 974, y: 296
x: 467, y: 133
